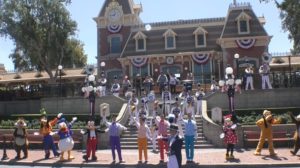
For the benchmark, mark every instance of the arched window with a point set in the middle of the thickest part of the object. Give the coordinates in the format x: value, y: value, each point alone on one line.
x: 140, y: 41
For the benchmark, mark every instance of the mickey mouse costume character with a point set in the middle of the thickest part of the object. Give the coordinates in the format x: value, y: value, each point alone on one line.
x: 91, y: 132
x: 21, y: 141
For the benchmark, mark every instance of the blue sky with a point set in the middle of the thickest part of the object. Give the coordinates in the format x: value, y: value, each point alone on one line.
x: 82, y: 11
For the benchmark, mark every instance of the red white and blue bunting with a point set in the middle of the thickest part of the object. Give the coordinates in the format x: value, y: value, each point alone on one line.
x: 114, y: 28
x: 245, y: 43
x: 139, y: 61
x: 201, y: 58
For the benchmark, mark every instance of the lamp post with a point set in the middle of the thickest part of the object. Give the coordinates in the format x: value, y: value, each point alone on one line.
x: 60, y: 67
x: 236, y: 57
x: 230, y: 85
x: 102, y: 65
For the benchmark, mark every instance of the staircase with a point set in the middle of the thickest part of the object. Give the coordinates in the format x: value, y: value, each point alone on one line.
x: 129, y: 137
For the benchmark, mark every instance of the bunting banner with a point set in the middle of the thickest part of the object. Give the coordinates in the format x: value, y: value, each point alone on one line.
x: 114, y: 28
x: 139, y: 61
x: 245, y: 43
x: 201, y: 58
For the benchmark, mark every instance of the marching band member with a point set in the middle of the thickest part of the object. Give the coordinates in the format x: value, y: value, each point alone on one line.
x: 183, y: 95
x: 166, y: 97
x: 151, y: 101
x: 102, y: 82
x: 125, y: 84
x: 134, y: 101
x: 190, y: 105
x: 161, y: 81
x: 148, y: 83
x: 173, y: 81
x: 199, y: 96
x: 142, y: 112
x: 145, y: 101
x: 178, y: 115
x: 154, y: 134
x: 249, y: 77
x: 264, y: 71
x: 115, y: 88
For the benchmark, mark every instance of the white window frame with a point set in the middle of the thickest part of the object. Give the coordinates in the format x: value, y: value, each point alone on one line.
x: 140, y: 35
x: 200, y: 31
x: 243, y: 17
x: 170, y: 33
x: 110, y: 42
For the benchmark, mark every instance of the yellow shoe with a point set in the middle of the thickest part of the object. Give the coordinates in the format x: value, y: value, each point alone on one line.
x: 257, y: 153
x: 227, y: 156
x: 231, y: 157
x: 273, y: 154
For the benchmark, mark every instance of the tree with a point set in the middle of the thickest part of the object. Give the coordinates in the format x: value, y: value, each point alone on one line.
x: 290, y: 15
x: 42, y: 31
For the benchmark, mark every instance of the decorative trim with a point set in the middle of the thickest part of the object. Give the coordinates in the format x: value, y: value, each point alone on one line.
x: 170, y: 60
x: 245, y: 43
x: 201, y: 58
x: 139, y: 61
x: 114, y: 28
x: 266, y: 57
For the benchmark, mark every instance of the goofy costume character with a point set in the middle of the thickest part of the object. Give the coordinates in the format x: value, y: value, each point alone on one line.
x: 91, y: 133
x: 46, y: 131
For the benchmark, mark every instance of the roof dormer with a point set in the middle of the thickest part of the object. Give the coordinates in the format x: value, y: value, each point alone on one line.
x: 170, y: 39
x: 200, y: 37
x: 243, y: 23
x: 140, y: 41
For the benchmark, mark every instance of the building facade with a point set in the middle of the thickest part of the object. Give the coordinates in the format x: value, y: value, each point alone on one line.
x: 201, y: 46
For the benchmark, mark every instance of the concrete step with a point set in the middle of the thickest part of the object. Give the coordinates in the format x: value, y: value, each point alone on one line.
x: 134, y: 143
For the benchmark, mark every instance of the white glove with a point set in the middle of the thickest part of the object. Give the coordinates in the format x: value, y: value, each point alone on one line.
x: 53, y: 133
x: 125, y: 128
x: 59, y: 115
x: 74, y: 119
x: 82, y: 131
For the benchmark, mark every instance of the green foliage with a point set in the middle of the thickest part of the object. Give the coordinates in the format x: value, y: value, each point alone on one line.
x: 42, y: 31
x: 290, y: 16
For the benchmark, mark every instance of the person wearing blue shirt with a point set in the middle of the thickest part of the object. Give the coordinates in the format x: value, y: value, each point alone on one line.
x: 190, y: 136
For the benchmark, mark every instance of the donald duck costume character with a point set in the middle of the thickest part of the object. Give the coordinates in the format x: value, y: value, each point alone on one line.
x: 65, y: 143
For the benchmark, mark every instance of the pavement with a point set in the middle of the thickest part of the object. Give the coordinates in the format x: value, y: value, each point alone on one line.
x: 203, y: 158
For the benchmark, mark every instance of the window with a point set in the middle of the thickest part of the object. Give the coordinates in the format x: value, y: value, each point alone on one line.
x: 115, y: 45
x: 200, y: 37
x: 140, y: 70
x: 140, y: 41
x: 202, y: 73
x: 243, y: 23
x: 170, y: 40
x: 141, y: 44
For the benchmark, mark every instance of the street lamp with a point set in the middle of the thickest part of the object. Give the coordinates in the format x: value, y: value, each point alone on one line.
x: 236, y: 57
x: 102, y: 65
x: 60, y: 67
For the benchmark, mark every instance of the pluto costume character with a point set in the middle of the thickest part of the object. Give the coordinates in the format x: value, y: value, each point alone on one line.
x: 296, y: 120
x: 65, y: 143
x: 21, y: 141
x: 265, y: 125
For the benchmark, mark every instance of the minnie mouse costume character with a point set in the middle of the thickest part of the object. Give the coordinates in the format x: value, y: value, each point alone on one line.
x: 230, y: 137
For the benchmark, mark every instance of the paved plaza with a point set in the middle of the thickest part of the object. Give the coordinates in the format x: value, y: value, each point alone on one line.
x: 203, y: 158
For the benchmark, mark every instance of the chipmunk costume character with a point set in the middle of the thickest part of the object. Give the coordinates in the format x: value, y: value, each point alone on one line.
x: 65, y: 143
x: 91, y: 144
x: 296, y: 120
x: 21, y: 141
x: 265, y: 124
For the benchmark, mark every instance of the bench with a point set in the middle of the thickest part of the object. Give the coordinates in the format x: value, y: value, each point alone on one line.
x: 280, y: 138
x: 36, y: 141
